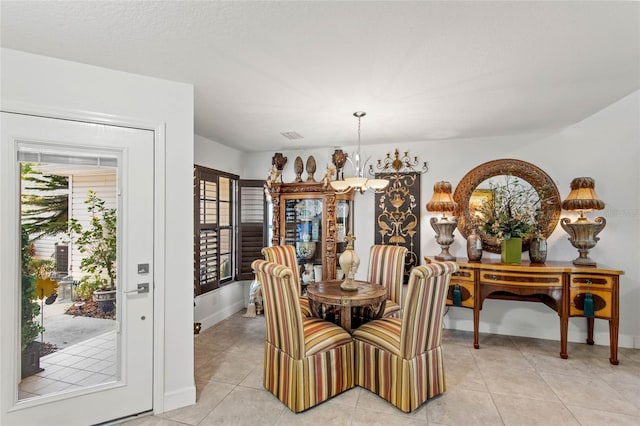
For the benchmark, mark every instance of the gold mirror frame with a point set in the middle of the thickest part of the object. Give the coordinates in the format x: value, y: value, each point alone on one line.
x: 536, y: 177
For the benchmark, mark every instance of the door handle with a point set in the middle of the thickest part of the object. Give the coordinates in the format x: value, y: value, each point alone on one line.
x: 142, y: 288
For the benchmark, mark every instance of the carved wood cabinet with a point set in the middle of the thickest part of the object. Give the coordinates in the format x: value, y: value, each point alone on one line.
x: 313, y: 218
x: 560, y: 285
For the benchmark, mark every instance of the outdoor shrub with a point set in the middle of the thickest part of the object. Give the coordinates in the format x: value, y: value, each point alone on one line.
x: 97, y: 243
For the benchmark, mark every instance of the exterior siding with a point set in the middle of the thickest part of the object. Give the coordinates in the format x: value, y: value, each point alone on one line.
x: 105, y: 186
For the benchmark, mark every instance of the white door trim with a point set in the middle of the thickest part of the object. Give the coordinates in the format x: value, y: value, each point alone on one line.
x: 159, y: 129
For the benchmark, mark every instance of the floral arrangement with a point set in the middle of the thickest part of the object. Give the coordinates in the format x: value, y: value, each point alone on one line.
x: 511, y: 212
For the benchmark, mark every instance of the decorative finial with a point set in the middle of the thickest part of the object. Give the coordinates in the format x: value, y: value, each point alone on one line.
x: 349, y: 239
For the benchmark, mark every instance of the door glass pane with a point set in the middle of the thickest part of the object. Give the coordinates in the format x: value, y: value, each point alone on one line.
x: 69, y: 277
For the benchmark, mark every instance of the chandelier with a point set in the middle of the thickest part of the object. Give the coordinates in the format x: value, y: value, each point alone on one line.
x: 358, y: 182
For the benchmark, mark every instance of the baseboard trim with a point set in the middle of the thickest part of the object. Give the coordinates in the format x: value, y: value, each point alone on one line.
x: 221, y: 315
x: 179, y: 398
x: 575, y: 336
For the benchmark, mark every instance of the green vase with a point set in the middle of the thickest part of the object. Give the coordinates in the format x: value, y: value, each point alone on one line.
x: 511, y: 252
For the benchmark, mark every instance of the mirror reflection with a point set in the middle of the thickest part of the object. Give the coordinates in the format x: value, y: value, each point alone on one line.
x: 507, y: 198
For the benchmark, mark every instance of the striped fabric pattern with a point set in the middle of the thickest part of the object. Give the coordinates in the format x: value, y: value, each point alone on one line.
x: 286, y: 255
x: 303, y: 383
x: 384, y: 334
x: 401, y: 359
x: 391, y: 309
x: 321, y: 335
x: 386, y: 267
x: 306, y: 360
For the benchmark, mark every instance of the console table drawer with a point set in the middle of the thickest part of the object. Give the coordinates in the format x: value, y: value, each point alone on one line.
x: 591, y: 281
x: 465, y: 282
x: 601, y: 303
x: 516, y: 279
x: 600, y: 287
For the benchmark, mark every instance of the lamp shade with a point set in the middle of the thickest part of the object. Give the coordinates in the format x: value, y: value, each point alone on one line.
x: 583, y: 196
x: 442, y: 200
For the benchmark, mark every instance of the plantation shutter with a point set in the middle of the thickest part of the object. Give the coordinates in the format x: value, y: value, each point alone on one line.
x: 251, y: 232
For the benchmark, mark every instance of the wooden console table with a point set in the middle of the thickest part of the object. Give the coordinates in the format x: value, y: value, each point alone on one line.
x: 560, y: 285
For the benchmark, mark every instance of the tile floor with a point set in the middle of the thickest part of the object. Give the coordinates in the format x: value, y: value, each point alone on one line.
x: 509, y: 381
x: 89, y: 362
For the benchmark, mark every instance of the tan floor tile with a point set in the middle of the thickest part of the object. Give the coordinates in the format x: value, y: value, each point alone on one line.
x: 370, y: 418
x: 152, y: 421
x: 589, y: 392
x: 463, y: 407
x: 522, y: 382
x: 207, y: 399
x: 255, y: 378
x: 461, y: 369
x: 500, y: 357
x: 589, y: 417
x: 233, y: 367
x: 326, y: 413
x: 246, y: 406
x: 522, y: 411
x: 369, y: 401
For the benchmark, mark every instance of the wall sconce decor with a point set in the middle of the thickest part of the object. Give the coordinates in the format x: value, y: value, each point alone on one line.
x: 397, y: 164
x: 582, y: 232
x: 442, y: 201
x: 357, y: 182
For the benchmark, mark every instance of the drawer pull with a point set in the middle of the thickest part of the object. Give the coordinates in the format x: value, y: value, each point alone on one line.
x: 464, y: 294
x: 580, y: 302
x: 457, y: 296
x: 588, y: 306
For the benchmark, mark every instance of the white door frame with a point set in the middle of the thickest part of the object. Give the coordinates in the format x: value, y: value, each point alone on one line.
x: 159, y: 163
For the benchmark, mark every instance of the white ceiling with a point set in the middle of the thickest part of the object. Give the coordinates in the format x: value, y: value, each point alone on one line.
x: 421, y: 70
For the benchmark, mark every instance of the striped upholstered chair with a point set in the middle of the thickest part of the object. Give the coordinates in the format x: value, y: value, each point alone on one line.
x: 386, y: 267
x: 286, y: 255
x: 306, y: 360
x: 400, y: 359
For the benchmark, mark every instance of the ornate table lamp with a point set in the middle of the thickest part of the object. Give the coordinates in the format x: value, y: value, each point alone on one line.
x: 442, y: 201
x: 582, y: 232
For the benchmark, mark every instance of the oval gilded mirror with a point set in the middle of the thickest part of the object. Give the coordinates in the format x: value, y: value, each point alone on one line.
x: 478, y: 185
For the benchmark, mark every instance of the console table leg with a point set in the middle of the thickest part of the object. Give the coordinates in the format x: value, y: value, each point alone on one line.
x: 564, y: 326
x: 613, y: 340
x: 590, y: 321
x: 476, y: 326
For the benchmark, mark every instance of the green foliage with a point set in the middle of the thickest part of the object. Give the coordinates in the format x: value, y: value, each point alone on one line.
x: 41, y: 268
x: 87, y: 286
x: 47, y: 214
x: 30, y: 309
x: 513, y: 210
x: 98, y: 245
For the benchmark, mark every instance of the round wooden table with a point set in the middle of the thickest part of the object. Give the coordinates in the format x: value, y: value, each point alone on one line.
x: 329, y: 293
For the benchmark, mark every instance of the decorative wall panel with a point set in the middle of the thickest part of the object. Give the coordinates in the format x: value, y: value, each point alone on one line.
x: 398, y: 215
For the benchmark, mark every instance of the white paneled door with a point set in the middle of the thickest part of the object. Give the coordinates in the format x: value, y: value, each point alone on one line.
x: 100, y: 373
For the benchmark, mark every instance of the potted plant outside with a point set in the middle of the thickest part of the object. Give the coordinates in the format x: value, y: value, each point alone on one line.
x: 97, y: 242
x: 29, y: 329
